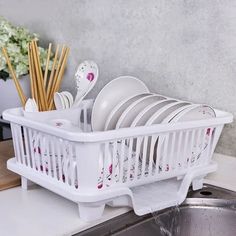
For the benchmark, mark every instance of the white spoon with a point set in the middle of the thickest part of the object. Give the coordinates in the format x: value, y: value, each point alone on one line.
x: 86, y: 77
x: 63, y: 100
x: 31, y: 105
x: 59, y: 101
x: 66, y: 101
x: 69, y: 97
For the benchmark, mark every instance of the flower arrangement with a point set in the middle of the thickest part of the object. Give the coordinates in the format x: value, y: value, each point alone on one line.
x: 16, y: 39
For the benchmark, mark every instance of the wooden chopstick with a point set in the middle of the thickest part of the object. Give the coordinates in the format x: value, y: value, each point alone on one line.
x: 38, y: 59
x: 33, y: 78
x: 60, y: 61
x: 51, y: 93
x: 13, y: 75
x: 31, y: 74
x: 39, y: 78
x: 50, y: 82
x: 47, y: 65
x: 34, y: 74
x: 37, y: 75
x: 60, y: 75
x: 42, y: 89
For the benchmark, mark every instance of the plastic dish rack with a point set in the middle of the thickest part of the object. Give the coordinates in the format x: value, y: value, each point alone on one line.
x: 147, y: 168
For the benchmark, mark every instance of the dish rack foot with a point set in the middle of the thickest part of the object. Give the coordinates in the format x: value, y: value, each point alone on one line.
x: 25, y: 183
x: 90, y: 212
x: 198, y: 183
x: 120, y: 202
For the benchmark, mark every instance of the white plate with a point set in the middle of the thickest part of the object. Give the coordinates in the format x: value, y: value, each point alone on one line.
x: 158, y: 118
x: 114, y: 92
x: 176, y: 112
x: 161, y: 114
x: 119, y: 109
x: 135, y: 108
x: 144, y: 115
x: 190, y: 155
x: 195, y: 112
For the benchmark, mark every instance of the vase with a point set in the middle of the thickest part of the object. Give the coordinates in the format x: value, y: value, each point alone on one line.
x: 9, y: 97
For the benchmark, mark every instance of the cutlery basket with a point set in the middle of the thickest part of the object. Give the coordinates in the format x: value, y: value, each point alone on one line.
x: 147, y: 168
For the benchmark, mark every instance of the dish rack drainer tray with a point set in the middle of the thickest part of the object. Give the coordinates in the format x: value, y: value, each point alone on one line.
x: 147, y: 168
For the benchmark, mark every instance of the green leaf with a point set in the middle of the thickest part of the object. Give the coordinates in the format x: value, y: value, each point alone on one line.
x: 15, y: 39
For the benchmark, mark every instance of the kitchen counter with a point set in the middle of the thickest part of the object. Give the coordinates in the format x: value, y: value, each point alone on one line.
x: 40, y: 212
x: 225, y: 176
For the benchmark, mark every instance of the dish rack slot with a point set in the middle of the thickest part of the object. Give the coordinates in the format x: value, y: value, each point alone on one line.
x: 125, y: 167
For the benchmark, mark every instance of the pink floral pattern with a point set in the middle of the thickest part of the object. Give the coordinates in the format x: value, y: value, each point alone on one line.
x: 112, y: 164
x: 90, y: 76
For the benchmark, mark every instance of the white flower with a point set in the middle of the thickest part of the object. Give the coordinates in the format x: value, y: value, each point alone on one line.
x: 16, y: 40
x: 4, y: 38
x: 12, y: 48
x: 2, y: 62
x: 21, y: 69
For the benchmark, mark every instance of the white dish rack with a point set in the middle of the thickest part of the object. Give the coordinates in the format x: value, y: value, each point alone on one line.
x: 147, y: 168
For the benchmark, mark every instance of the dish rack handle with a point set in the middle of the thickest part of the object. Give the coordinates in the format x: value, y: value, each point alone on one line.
x: 88, y: 155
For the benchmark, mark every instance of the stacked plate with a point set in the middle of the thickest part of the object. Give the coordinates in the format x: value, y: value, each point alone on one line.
x: 127, y: 102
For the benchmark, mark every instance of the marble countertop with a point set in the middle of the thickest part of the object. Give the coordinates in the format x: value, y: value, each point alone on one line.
x: 40, y: 212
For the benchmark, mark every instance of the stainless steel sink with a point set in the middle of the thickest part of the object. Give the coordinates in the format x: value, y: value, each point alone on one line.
x: 210, y: 211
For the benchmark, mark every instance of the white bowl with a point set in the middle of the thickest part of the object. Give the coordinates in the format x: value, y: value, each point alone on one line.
x: 114, y: 92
